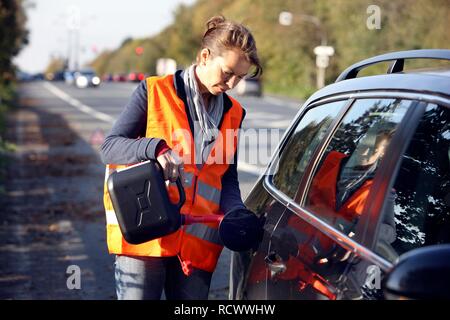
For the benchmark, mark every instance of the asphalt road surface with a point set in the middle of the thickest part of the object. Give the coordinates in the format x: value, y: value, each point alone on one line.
x: 52, y: 218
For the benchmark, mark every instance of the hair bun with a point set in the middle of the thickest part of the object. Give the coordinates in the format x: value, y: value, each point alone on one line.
x: 214, y: 22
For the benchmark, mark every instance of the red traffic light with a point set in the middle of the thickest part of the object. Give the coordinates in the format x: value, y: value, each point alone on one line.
x: 139, y: 50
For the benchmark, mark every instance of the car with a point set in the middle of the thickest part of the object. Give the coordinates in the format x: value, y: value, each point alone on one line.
x: 250, y: 87
x: 119, y: 77
x: 136, y: 76
x: 69, y: 77
x: 39, y: 76
x: 86, y: 78
x: 108, y: 77
x: 55, y: 76
x: 355, y: 202
x: 22, y: 76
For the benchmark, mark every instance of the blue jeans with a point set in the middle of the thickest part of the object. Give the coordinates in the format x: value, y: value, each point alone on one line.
x: 145, y: 278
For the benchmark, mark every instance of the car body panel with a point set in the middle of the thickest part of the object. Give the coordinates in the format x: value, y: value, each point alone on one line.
x: 414, y: 83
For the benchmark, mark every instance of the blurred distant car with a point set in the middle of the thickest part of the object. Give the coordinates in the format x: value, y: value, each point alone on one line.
x: 38, y: 76
x: 108, y: 77
x: 119, y: 78
x: 69, y: 77
x: 86, y: 78
x: 55, y: 76
x: 250, y: 87
x: 23, y: 76
x: 136, y: 76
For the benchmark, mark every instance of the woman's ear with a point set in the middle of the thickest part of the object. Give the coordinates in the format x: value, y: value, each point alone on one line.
x: 205, y: 55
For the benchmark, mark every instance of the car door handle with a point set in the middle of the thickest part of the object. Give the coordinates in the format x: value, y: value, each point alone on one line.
x: 275, y: 264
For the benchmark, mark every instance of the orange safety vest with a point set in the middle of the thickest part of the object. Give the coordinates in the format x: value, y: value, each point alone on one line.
x: 323, y: 192
x: 167, y: 118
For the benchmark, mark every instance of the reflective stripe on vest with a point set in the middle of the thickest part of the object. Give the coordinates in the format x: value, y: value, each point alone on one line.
x: 204, y: 232
x: 111, y: 217
x: 189, y: 177
x: 208, y: 192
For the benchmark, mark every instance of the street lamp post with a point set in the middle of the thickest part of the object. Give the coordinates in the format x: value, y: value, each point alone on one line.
x: 322, y: 52
x: 73, y: 24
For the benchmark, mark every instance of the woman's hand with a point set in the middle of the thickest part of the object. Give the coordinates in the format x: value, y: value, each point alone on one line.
x: 172, y: 166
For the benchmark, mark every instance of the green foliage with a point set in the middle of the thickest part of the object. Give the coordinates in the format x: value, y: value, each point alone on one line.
x: 7, y: 94
x: 286, y: 52
x: 13, y: 36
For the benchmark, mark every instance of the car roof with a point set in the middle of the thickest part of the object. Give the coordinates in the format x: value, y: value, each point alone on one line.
x: 427, y: 81
x: 411, y: 82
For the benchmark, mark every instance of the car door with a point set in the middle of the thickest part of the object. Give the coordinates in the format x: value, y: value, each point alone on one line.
x: 310, y: 250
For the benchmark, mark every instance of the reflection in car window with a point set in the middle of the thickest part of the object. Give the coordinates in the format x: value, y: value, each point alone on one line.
x: 346, y: 170
x: 420, y: 213
x: 302, y: 143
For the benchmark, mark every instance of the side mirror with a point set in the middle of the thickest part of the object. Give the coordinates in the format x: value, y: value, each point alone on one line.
x: 422, y: 273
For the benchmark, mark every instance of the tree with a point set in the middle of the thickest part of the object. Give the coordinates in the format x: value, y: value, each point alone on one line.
x: 13, y: 37
x: 55, y: 64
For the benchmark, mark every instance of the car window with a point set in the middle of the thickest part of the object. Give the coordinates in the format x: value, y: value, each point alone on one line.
x: 344, y: 175
x: 417, y: 213
x: 301, y: 145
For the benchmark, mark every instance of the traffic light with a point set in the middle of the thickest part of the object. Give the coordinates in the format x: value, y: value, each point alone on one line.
x: 139, y: 50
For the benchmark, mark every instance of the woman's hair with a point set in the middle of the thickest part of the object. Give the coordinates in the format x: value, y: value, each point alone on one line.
x: 222, y: 35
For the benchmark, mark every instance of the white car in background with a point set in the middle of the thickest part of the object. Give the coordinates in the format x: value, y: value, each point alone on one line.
x: 86, y: 78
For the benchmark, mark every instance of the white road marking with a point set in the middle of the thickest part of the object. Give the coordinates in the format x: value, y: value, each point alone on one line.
x: 77, y: 104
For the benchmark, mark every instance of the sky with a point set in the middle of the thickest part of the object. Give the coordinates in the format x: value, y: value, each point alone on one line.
x: 100, y: 24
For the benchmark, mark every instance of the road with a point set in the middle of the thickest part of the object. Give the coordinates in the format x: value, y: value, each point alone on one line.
x: 52, y: 210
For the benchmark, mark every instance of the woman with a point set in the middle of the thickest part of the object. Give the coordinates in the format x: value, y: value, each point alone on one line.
x: 188, y: 124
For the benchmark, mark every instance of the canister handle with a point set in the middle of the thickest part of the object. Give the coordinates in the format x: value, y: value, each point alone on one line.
x: 181, y: 193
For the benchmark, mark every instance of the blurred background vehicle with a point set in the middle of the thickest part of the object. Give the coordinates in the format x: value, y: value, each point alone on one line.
x: 55, y: 76
x: 136, y: 76
x: 24, y: 76
x: 86, y: 78
x: 38, y: 76
x: 119, y: 77
x: 250, y: 87
x: 69, y: 77
x: 107, y: 77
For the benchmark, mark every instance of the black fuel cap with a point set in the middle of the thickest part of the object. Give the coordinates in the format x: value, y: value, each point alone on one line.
x: 241, y: 230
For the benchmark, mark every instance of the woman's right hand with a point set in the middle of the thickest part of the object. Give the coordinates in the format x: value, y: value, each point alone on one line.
x: 172, y: 166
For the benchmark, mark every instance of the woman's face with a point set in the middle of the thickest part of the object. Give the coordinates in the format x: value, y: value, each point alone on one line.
x: 380, y: 148
x: 221, y: 73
